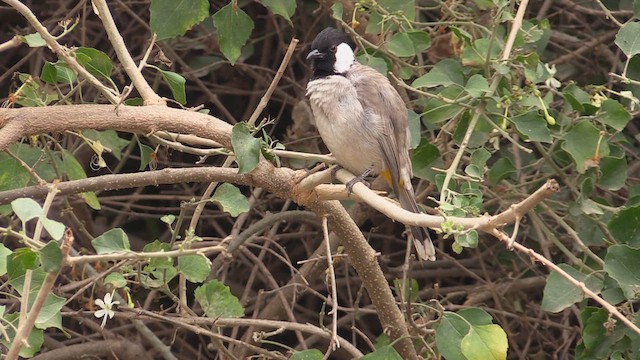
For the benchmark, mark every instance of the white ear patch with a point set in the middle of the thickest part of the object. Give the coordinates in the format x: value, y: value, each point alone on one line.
x: 344, y: 58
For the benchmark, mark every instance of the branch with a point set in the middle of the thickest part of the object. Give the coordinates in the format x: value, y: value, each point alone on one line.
x: 62, y: 51
x: 10, y: 44
x: 579, y: 284
x: 25, y: 327
x: 16, y: 123
x: 132, y: 180
x: 148, y: 95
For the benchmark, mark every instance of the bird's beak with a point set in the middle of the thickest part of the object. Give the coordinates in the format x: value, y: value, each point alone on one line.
x: 315, y: 54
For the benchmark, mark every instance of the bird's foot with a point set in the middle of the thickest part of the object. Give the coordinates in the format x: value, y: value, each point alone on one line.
x: 360, y: 178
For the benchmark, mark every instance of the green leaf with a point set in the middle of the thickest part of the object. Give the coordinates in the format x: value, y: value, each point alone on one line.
x: 58, y: 72
x: 234, y: 28
x: 597, y: 341
x: 53, y: 322
x: 401, y: 45
x: 622, y: 263
x: 154, y: 278
x: 33, y: 40
x: 478, y: 163
x: 114, y: 240
x: 217, y: 301
x: 17, y: 272
x: 246, y: 147
x: 116, y: 279
x: 51, y: 257
x: 445, y: 73
x: 403, y: 9
x: 35, y: 338
x: 423, y: 158
x: 477, y: 86
x: 337, y: 10
x: 109, y: 139
x: 581, y: 143
x: 171, y: 18
x: 501, y: 169
x: 470, y: 334
x: 32, y: 93
x: 437, y: 111
x: 177, y: 85
x: 74, y: 171
x: 4, y: 254
x: 145, y: 156
x: 628, y: 38
x: 420, y: 39
x: 476, y: 316
x: 533, y: 126
x: 95, y: 61
x: 468, y: 239
x: 559, y: 293
x: 612, y: 113
x: 50, y: 309
x: 54, y: 228
x: 21, y: 260
x: 311, y: 354
x: 385, y: 352
x: 284, y: 8
x: 449, y: 334
x: 625, y: 226
x: 614, y: 173
x: 375, y: 62
x: 414, y: 129
x: 168, y: 219
x: 579, y: 99
x: 476, y: 55
x: 91, y: 199
x: 485, y: 342
x: 157, y: 246
x: 26, y: 209
x: 231, y: 199
x: 195, y: 268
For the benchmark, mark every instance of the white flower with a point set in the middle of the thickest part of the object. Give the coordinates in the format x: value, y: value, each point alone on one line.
x: 106, y: 308
x: 551, y: 81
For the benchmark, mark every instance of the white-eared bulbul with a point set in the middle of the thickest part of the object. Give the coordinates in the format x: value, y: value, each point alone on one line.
x: 363, y: 121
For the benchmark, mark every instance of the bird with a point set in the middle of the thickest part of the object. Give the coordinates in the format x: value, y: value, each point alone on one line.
x: 363, y: 122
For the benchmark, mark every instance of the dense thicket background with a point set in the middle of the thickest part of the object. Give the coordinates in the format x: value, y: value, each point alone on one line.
x: 535, y: 129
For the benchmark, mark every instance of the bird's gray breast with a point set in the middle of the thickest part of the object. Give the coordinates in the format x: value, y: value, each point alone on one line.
x: 350, y: 131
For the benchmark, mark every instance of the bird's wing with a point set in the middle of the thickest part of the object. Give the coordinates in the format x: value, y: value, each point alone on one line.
x: 379, y: 98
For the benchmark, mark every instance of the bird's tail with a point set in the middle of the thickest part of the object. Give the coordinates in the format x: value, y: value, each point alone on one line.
x: 420, y: 235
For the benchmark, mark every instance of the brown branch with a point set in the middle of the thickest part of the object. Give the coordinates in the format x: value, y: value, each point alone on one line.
x: 132, y: 180
x: 16, y: 123
x: 121, y: 349
x: 10, y: 44
x: 579, y: 284
x: 280, y: 181
x: 148, y: 95
x: 62, y: 51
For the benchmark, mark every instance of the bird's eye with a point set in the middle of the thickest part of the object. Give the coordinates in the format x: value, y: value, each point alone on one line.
x: 334, y: 48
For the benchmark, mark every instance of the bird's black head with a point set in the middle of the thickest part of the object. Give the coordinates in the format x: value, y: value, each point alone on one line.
x: 331, y: 53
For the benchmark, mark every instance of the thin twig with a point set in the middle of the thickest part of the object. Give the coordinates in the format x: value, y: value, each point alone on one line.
x: 334, y: 343
x: 62, y: 51
x: 276, y: 79
x: 148, y: 95
x: 579, y: 284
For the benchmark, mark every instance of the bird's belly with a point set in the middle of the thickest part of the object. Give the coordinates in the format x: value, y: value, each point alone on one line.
x: 352, y: 137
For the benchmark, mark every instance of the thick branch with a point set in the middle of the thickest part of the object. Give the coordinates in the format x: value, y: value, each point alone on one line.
x: 16, y: 123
